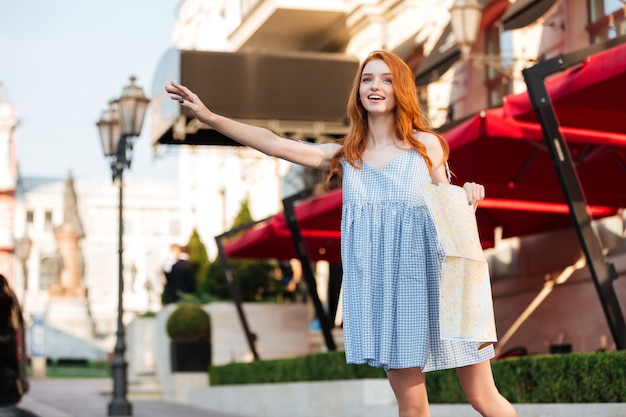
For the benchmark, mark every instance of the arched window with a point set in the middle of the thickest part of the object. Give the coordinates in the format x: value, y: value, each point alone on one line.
x: 49, y: 271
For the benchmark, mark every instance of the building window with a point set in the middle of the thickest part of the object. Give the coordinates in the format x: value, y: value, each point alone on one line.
x: 47, y: 220
x: 606, y: 20
x: 175, y: 228
x: 49, y: 271
x: 499, y: 43
x: 30, y: 217
x: 129, y: 227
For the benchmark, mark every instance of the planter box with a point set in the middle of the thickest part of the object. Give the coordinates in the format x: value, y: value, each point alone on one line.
x: 354, y: 398
x: 141, y: 348
x: 282, y: 331
x: 190, y: 356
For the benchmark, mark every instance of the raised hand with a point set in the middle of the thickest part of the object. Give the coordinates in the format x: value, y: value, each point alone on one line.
x: 190, y: 100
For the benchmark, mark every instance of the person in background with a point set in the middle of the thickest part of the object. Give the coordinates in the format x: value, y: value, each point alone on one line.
x: 14, y: 382
x: 180, y: 275
x: 292, y: 279
x: 391, y: 253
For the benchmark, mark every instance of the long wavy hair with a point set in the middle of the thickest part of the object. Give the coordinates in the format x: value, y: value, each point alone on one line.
x: 408, y: 117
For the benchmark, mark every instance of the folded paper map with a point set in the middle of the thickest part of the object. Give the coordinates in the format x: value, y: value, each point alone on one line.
x: 465, y: 304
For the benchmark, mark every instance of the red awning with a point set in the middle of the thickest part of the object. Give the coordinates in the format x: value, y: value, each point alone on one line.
x: 588, y: 97
x: 319, y: 220
x: 504, y: 150
x: 524, y: 195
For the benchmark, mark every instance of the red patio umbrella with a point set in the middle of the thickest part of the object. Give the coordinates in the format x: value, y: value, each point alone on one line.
x: 319, y: 219
x: 504, y: 149
x: 588, y: 96
x: 523, y: 192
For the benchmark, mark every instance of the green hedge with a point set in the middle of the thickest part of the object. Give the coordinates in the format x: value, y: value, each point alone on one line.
x: 566, y: 378
x: 59, y: 369
x: 317, y: 367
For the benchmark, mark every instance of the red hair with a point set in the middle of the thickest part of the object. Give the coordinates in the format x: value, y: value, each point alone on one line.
x: 408, y: 117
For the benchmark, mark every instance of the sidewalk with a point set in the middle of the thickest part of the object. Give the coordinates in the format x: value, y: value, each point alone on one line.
x: 90, y: 398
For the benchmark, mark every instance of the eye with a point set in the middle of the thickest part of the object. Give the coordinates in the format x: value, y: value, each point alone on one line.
x: 388, y: 81
x: 366, y: 79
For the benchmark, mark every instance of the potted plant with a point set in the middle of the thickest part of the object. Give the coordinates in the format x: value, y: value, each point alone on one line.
x: 189, y: 329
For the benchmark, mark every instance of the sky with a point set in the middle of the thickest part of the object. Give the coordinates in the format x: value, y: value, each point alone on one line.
x: 62, y: 61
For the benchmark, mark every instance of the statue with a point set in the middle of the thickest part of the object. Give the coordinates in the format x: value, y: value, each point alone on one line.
x: 67, y: 236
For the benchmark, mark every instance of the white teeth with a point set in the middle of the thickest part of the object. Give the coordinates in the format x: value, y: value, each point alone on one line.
x: 374, y: 97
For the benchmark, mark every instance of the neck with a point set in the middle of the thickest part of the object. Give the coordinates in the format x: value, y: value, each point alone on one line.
x: 380, y: 130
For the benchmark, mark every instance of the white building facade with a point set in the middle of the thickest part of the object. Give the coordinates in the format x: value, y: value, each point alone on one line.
x: 8, y: 183
x: 152, y: 222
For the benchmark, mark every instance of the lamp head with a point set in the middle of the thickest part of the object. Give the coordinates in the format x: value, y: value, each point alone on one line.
x: 131, y: 109
x: 465, y: 17
x: 109, y: 128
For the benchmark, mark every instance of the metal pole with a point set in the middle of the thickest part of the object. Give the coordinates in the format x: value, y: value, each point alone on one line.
x: 25, y: 279
x: 307, y: 270
x: 603, y: 273
x: 119, y: 405
x: 234, y: 292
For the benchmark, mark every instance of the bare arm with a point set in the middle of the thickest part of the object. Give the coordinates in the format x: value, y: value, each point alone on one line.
x: 475, y: 192
x: 255, y: 137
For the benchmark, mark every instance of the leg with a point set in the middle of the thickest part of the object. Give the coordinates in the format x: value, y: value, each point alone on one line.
x: 481, y: 391
x: 409, y: 386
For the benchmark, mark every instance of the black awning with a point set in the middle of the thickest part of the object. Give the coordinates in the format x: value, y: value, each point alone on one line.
x: 524, y: 12
x: 445, y: 53
x: 304, y: 92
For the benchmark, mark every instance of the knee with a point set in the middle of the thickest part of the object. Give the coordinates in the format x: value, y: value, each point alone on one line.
x: 414, y: 410
x: 492, y: 404
x: 479, y: 403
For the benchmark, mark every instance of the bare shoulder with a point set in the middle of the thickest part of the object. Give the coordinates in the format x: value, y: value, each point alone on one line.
x: 429, y: 140
x: 432, y: 144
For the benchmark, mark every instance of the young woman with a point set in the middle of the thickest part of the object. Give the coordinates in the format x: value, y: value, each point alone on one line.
x: 391, y: 254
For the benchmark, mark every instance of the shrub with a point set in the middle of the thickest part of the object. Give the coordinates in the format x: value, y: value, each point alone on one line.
x: 315, y: 367
x: 189, y: 322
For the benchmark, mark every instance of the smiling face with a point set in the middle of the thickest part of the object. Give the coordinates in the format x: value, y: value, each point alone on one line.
x: 376, y: 88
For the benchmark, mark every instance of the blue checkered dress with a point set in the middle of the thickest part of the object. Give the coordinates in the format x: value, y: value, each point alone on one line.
x: 392, y: 263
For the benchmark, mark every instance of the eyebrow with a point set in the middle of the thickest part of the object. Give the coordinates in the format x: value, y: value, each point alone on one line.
x: 369, y: 73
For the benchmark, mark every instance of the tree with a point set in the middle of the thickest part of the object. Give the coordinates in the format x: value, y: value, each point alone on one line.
x: 199, y: 257
x: 244, y: 216
x: 255, y: 279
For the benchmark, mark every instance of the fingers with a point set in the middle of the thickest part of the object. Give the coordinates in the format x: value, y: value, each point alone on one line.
x: 179, y: 92
x: 189, y: 100
x: 475, y: 193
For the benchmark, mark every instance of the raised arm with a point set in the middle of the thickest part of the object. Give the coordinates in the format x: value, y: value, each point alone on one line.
x: 255, y: 137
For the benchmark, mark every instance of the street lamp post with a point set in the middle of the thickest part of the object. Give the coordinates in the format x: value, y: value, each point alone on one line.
x: 119, y: 124
x: 23, y: 253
